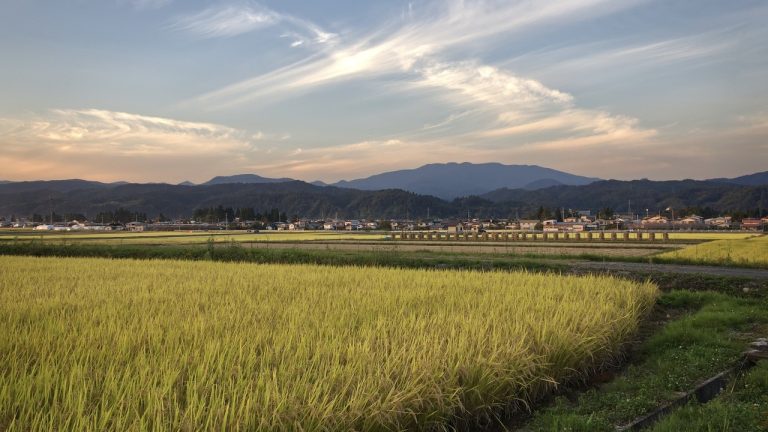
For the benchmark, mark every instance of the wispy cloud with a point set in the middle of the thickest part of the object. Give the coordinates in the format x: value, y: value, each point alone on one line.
x: 111, y: 145
x: 399, y: 47
x: 148, y: 4
x: 229, y: 20
x: 119, y: 133
x: 621, y: 56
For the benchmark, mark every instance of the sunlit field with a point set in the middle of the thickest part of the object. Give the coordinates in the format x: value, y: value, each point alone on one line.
x: 751, y: 252
x: 176, y: 237
x: 94, y: 344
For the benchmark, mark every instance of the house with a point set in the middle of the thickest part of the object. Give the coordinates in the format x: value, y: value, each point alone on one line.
x: 691, y: 220
x: 719, y: 222
x: 751, y: 224
x: 44, y: 227
x: 352, y: 225
x: 136, y: 226
x: 655, y: 220
x: 528, y: 225
x: 454, y: 227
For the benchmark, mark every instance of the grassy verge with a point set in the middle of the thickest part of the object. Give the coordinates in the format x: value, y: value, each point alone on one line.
x: 742, y: 407
x: 712, y: 331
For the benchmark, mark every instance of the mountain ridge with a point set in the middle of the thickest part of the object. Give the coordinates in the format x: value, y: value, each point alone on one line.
x: 453, y: 180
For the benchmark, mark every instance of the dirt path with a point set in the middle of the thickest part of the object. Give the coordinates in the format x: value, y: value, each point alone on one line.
x: 735, y: 272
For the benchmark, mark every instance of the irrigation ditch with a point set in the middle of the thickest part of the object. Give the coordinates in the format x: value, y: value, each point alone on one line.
x: 705, y: 391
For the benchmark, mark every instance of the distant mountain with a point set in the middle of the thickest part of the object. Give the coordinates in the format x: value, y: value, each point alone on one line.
x: 306, y: 200
x: 293, y: 198
x: 53, y: 185
x: 245, y: 179
x: 454, y: 180
x: 5, y: 182
x: 319, y: 183
x: 186, y: 183
x: 756, y: 179
x: 541, y: 184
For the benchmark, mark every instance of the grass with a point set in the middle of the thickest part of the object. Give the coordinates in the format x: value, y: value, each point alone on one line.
x: 709, y: 337
x: 97, y: 344
x: 743, y: 406
x: 234, y: 252
x: 752, y: 252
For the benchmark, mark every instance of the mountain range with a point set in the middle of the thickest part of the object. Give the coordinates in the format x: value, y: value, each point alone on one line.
x: 742, y: 194
x: 454, y: 180
x: 446, y: 181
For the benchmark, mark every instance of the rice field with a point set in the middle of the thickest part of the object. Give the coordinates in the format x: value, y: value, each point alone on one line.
x: 751, y: 252
x: 175, y: 237
x: 95, y: 344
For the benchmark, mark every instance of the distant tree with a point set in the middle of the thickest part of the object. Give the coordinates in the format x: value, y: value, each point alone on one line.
x: 605, y: 213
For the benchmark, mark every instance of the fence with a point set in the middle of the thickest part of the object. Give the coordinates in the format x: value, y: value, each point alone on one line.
x: 530, y: 236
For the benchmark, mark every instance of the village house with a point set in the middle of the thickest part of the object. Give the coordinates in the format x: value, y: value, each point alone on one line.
x: 691, y: 220
x: 454, y: 227
x: 136, y: 226
x: 655, y: 220
x: 751, y: 224
x: 719, y: 222
x: 528, y: 224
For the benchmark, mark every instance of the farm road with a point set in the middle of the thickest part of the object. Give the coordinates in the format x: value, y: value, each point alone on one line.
x: 734, y: 272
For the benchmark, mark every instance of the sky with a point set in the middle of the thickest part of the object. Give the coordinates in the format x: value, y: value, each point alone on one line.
x: 172, y: 90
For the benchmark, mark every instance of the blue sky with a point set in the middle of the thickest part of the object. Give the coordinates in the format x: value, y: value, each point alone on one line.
x: 171, y: 90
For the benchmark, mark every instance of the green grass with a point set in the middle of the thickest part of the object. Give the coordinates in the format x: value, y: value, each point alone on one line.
x: 708, y: 338
x: 743, y: 406
x: 234, y: 252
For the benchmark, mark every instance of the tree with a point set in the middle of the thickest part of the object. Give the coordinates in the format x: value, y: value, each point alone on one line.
x: 606, y: 213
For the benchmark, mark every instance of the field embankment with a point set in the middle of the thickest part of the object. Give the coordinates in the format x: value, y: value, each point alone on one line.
x: 95, y: 344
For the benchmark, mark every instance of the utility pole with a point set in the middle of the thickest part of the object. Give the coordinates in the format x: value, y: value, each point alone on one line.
x: 50, y: 199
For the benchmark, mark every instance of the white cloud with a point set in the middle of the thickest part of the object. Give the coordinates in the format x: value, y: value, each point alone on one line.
x: 227, y: 21
x: 118, y: 133
x: 109, y: 145
x: 402, y: 47
x: 235, y: 19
